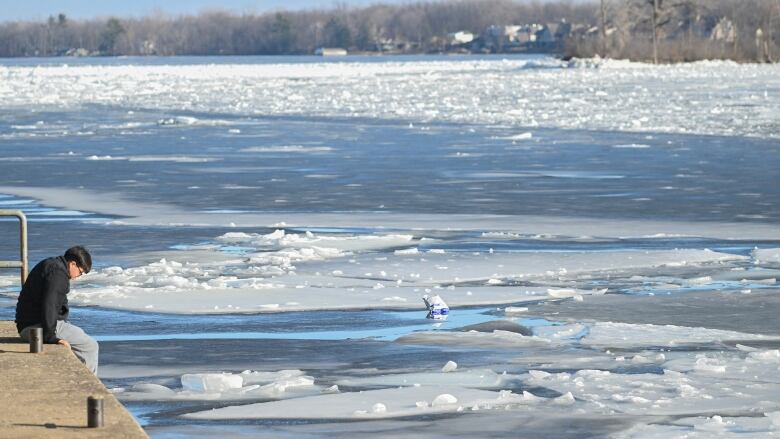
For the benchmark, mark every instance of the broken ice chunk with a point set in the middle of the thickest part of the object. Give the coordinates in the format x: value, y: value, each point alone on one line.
x: 444, y: 399
x: 450, y: 366
x: 211, y: 382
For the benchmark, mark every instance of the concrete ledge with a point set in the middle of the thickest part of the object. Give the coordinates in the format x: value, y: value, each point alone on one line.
x: 45, y: 395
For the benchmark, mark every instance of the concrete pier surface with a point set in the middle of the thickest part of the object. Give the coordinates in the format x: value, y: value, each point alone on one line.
x: 45, y: 395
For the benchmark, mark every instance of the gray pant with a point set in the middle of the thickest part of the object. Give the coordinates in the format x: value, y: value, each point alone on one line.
x: 84, y: 346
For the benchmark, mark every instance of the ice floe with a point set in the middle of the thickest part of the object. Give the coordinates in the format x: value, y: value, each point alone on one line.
x: 705, y: 427
x: 615, y: 335
x: 767, y: 256
x: 692, y: 384
x: 283, y: 271
x: 383, y: 404
x: 226, y: 386
x: 472, y: 378
x: 534, y: 226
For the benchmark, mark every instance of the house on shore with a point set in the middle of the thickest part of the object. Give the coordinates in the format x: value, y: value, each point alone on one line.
x: 522, y: 38
x: 330, y: 51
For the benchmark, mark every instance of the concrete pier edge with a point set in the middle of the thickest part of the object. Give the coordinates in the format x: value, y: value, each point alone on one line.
x: 45, y: 395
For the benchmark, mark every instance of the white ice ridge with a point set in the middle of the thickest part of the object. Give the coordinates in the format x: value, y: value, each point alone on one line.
x: 155, y: 158
x: 308, y: 240
x: 615, y: 96
x: 226, y: 386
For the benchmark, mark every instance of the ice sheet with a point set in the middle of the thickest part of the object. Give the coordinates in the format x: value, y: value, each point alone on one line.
x: 616, y: 335
x: 691, y: 383
x: 496, y: 339
x: 591, y: 94
x: 702, y: 427
x: 438, y: 268
x: 767, y: 257
x: 598, y: 335
x: 140, y: 213
x: 292, y: 271
x: 479, y: 379
x: 382, y: 404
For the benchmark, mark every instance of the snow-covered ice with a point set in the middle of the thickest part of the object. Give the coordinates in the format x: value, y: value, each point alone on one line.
x: 395, y: 403
x: 282, y: 272
x: 604, y: 95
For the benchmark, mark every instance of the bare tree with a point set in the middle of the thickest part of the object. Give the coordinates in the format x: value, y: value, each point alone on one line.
x: 655, y: 31
x: 603, y: 27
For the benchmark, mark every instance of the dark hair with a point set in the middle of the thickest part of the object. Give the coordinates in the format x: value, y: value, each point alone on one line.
x: 80, y: 256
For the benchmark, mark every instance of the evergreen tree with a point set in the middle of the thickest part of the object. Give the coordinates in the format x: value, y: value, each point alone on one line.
x: 337, y: 33
x: 282, y: 37
x: 110, y: 35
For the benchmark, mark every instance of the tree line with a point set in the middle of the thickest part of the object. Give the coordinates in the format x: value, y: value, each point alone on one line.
x: 684, y: 30
x: 669, y: 30
x: 408, y: 27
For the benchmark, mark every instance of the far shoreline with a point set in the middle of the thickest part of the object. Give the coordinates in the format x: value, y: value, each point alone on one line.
x: 365, y: 55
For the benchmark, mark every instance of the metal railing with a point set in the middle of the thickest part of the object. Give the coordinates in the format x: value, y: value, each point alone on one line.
x: 22, y: 263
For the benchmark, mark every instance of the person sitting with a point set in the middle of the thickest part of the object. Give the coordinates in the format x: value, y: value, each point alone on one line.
x: 43, y: 303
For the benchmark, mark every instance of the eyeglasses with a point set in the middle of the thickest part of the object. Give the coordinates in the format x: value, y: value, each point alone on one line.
x: 81, y: 272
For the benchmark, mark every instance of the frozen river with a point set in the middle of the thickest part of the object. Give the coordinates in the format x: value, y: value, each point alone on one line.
x: 606, y: 235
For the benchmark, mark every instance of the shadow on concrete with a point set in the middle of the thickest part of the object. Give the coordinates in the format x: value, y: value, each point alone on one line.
x: 11, y: 340
x: 51, y: 426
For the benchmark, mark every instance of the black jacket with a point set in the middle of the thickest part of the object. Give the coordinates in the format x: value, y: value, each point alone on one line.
x: 43, y: 299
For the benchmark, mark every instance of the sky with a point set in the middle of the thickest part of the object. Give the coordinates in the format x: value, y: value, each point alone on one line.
x: 11, y: 10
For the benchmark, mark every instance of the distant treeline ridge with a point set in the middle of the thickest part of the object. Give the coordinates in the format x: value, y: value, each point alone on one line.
x: 670, y: 30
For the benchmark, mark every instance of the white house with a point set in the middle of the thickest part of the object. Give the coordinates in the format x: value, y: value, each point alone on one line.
x: 460, y: 37
x: 330, y: 51
x: 725, y: 31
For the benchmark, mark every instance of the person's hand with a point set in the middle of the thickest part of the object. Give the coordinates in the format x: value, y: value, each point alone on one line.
x: 64, y: 343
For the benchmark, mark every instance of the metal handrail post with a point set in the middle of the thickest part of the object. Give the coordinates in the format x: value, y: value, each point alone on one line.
x: 22, y: 264
x: 23, y: 244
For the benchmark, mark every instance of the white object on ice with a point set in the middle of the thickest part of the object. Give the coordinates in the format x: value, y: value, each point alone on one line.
x: 774, y: 417
x: 437, y: 308
x: 332, y: 389
x: 443, y: 399
x: 538, y: 374
x: 561, y: 293
x: 705, y: 364
x: 450, y: 366
x: 151, y: 388
x: 211, y: 382
x: 565, y: 399
x: 772, y: 356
